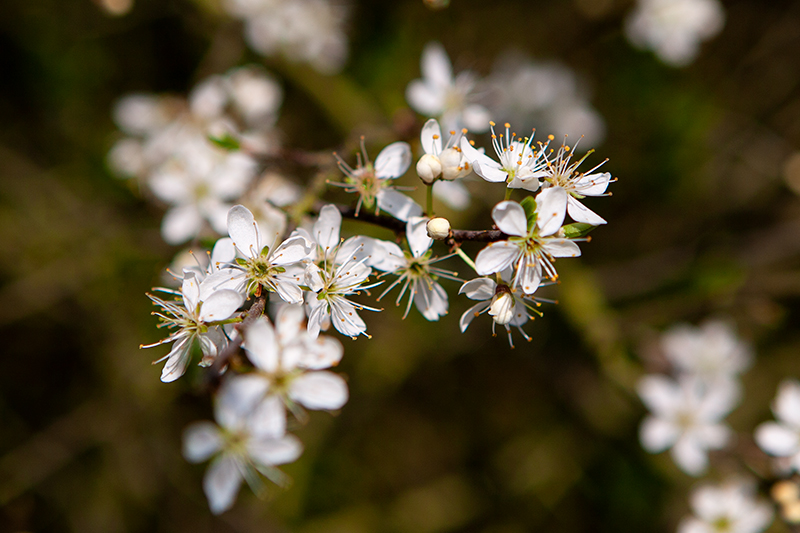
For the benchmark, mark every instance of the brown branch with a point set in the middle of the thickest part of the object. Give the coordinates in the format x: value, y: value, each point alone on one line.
x: 224, y: 357
x: 484, y: 235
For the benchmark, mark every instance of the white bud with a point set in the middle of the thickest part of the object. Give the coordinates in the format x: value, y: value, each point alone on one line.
x: 502, y: 308
x: 429, y: 168
x: 454, y: 165
x: 438, y: 228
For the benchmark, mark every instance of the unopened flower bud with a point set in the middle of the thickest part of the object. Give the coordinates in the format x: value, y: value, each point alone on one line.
x: 438, y: 228
x: 453, y: 164
x: 429, y: 168
x: 502, y: 308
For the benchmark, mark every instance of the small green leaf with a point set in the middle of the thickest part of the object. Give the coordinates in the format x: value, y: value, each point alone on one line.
x: 529, y: 205
x: 577, y: 230
x: 226, y: 142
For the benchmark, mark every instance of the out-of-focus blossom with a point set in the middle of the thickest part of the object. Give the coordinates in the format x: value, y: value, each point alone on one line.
x: 782, y: 438
x: 711, y: 351
x: 545, y: 93
x: 686, y: 417
x: 310, y: 31
x: 674, y: 29
x: 249, y: 438
x: 453, y: 100
x: 728, y: 508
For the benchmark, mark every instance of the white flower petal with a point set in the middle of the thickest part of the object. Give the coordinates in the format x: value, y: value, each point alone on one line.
x: 476, y: 118
x: 181, y: 223
x: 787, y: 403
x: 470, y: 314
x: 510, y: 218
x: 436, y: 67
x: 777, y: 440
x: 452, y: 193
x: 431, y: 137
x: 398, y: 204
x: 327, y: 227
x: 220, y: 305
x: 177, y: 360
x: 268, y: 419
x: 237, y: 398
x: 478, y: 289
x: 417, y: 235
x: 431, y: 300
x: 551, y: 206
x: 580, y: 213
x: 261, y: 345
x: 270, y: 452
x: 221, y: 483
x: 243, y: 231
x: 496, y: 257
x: 561, y: 248
x: 424, y: 98
x: 690, y: 456
x: 201, y: 440
x: 319, y: 390
x: 656, y: 435
x: 393, y: 161
x: 190, y: 289
x: 345, y: 318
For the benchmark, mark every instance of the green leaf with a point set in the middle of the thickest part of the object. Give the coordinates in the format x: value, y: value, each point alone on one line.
x: 577, y: 230
x: 529, y: 205
x: 226, y: 142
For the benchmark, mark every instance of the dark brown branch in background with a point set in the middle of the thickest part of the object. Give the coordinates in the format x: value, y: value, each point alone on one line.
x: 214, y: 374
x: 483, y: 235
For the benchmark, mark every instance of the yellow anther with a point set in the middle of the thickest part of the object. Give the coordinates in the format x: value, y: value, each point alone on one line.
x: 507, y: 125
x: 551, y: 137
x: 492, y: 124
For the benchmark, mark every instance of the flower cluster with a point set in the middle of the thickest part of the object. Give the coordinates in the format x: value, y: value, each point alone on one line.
x: 210, y: 158
x: 687, y: 411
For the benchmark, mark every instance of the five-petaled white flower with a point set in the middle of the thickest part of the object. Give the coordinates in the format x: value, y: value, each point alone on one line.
x: 373, y: 182
x: 277, y: 270
x: 521, y: 165
x: 289, y: 363
x: 782, y: 438
x: 727, y: 508
x: 561, y: 172
x: 711, y: 351
x: 530, y: 247
x: 250, y: 439
x: 505, y: 305
x: 195, y: 317
x: 687, y: 417
x: 417, y: 276
x: 674, y: 29
x: 438, y: 94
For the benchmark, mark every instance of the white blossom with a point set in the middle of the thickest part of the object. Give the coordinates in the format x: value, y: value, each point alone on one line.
x: 686, y: 417
x: 250, y: 438
x: 373, y: 182
x: 310, y: 31
x: 440, y: 95
x: 194, y: 317
x: 416, y: 276
x: 504, y: 304
x: 278, y: 268
x: 529, y: 249
x: 782, y: 438
x: 728, y: 508
x: 560, y: 171
x: 711, y: 351
x: 520, y: 165
x: 674, y: 29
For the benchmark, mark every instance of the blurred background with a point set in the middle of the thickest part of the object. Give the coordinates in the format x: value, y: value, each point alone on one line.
x: 443, y: 431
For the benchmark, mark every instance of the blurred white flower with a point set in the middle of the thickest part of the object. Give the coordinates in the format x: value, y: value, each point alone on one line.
x: 439, y: 95
x: 727, y: 508
x: 674, y: 29
x: 310, y: 31
x: 711, y: 351
x: 782, y: 438
x: 250, y: 438
x: 686, y: 417
x: 546, y: 93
